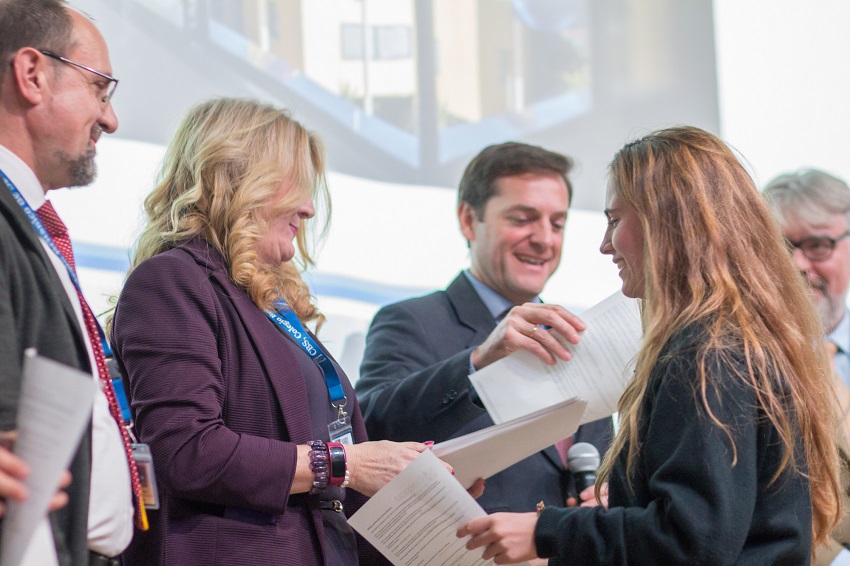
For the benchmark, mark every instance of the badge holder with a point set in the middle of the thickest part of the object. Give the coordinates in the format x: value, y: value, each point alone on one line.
x: 340, y: 429
x: 147, y: 477
x: 141, y: 452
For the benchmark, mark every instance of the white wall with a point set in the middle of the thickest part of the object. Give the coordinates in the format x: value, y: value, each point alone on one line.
x: 784, y: 83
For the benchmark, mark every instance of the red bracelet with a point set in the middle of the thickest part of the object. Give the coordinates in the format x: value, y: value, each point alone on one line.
x: 338, y: 463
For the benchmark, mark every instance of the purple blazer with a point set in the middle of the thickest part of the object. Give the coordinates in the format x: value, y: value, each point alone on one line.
x: 223, y: 407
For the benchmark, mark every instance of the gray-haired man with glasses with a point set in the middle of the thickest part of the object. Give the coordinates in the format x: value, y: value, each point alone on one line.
x: 813, y: 209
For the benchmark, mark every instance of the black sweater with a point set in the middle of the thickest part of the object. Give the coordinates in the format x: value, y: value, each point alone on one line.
x: 688, y: 503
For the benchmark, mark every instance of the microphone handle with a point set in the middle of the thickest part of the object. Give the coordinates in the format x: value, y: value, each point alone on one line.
x: 583, y: 480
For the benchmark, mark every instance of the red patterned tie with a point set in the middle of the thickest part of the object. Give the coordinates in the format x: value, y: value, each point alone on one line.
x: 57, y: 230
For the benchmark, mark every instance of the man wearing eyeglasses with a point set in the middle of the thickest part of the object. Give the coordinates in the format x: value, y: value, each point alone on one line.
x: 55, y: 93
x: 813, y: 209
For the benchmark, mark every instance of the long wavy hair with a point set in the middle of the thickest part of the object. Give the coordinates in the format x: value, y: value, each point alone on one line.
x: 714, y: 257
x: 226, y: 162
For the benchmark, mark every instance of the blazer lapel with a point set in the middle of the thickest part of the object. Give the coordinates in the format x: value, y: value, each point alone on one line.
x: 284, y: 372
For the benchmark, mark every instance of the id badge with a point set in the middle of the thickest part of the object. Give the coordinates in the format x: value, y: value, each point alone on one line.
x: 340, y: 430
x: 144, y: 463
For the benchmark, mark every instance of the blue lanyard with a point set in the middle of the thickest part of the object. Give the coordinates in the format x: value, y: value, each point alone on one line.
x: 287, y: 321
x: 45, y: 235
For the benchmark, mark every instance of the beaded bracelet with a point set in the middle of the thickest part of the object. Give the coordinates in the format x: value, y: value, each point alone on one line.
x: 319, y: 465
x: 338, y: 464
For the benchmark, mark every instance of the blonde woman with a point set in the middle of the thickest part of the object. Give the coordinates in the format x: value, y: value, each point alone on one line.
x: 253, y: 442
x: 726, y: 451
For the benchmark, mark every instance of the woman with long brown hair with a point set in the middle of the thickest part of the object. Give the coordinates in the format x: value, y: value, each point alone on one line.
x: 726, y: 449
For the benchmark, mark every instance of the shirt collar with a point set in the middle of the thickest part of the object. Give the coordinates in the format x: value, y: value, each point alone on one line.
x: 494, y: 302
x: 22, y: 177
x: 841, y: 335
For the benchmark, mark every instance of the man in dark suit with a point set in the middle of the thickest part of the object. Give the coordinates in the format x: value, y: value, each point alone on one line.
x: 55, y: 93
x: 512, y: 207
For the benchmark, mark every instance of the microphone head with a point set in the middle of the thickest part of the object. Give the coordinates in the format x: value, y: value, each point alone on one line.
x: 583, y: 457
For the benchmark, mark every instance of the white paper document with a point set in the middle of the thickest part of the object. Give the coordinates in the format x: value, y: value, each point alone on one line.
x: 601, y: 366
x: 413, y: 519
x: 488, y: 451
x: 54, y: 409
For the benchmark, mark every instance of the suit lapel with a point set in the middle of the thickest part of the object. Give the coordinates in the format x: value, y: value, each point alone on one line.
x: 470, y: 310
x: 29, y: 239
x: 553, y: 456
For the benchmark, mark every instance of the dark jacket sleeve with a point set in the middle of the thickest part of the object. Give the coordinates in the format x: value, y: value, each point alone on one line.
x: 174, y: 342
x: 414, y: 382
x: 693, y: 504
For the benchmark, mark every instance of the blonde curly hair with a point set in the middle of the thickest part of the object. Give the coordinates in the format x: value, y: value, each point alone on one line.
x: 225, y: 164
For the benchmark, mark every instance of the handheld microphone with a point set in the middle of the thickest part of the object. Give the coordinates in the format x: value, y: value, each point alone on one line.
x: 583, y: 462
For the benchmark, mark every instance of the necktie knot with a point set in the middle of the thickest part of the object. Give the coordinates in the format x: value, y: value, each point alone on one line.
x: 54, y: 225
x: 58, y: 231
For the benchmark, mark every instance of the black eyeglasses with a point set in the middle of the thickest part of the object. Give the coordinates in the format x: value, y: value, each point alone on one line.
x: 111, y: 84
x: 817, y: 248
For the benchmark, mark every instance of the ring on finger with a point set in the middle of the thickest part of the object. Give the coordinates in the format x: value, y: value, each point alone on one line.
x: 533, y: 330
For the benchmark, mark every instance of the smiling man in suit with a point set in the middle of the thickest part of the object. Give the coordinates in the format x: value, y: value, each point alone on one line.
x: 414, y: 383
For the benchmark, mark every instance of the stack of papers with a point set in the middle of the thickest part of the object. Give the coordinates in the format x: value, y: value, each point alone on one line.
x: 488, y: 451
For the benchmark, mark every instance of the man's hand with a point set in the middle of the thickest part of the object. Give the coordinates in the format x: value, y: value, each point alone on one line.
x: 476, y: 490
x: 521, y: 330
x: 13, y: 472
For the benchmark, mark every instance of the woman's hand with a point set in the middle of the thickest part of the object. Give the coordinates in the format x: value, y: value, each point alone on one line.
x: 587, y: 498
x: 373, y: 464
x: 507, y: 538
